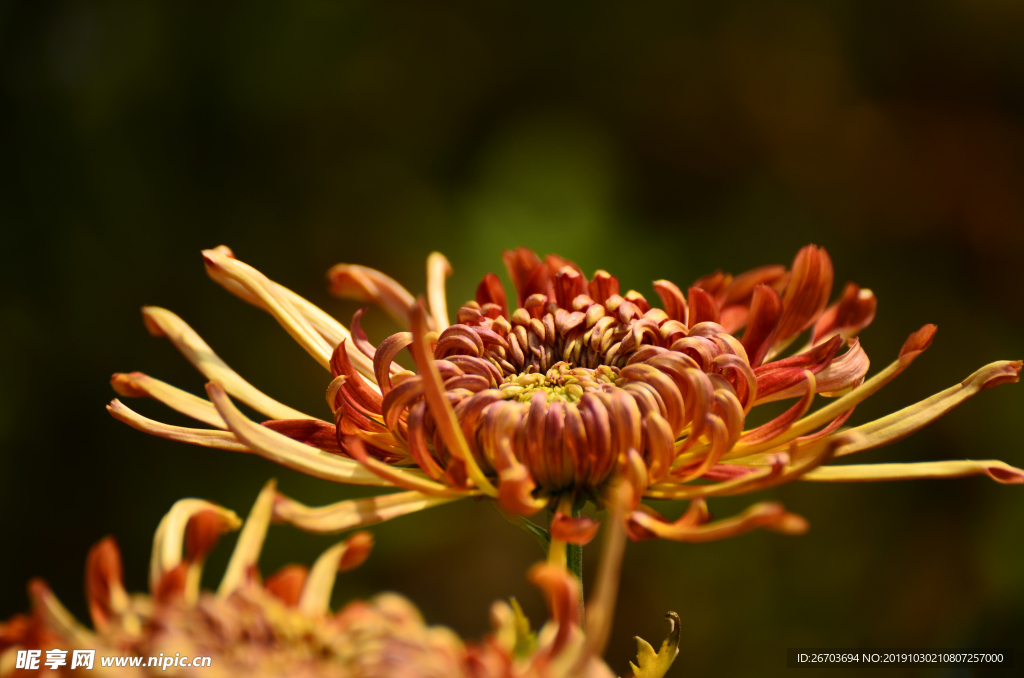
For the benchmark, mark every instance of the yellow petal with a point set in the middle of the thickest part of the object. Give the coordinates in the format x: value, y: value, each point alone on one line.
x: 283, y: 450
x: 914, y: 346
x: 218, y: 264
x: 405, y: 478
x: 332, y: 331
x: 316, y: 594
x: 767, y: 515
x: 250, y: 541
x: 351, y: 281
x: 56, y: 618
x: 221, y: 440
x: 775, y: 469
x: 352, y: 513
x: 996, y: 470
x: 900, y: 424
x: 139, y: 385
x: 169, y: 539
x: 438, y: 269
x: 163, y: 323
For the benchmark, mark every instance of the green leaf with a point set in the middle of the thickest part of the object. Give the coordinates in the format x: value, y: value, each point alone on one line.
x: 542, y: 535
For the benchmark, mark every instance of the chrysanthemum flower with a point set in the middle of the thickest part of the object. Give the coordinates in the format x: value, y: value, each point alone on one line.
x: 283, y: 626
x: 576, y: 389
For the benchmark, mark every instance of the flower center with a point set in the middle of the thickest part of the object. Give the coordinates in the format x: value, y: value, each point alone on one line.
x: 561, y: 383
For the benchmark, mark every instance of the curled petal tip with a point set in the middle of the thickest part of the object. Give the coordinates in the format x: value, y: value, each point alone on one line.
x: 918, y: 341
x: 515, y: 491
x: 359, y: 546
x: 152, y: 326
x: 1007, y: 475
x: 287, y: 583
x: 210, y: 258
x: 124, y: 384
x: 1008, y: 373
x: 316, y: 593
x: 790, y: 523
x: 580, y: 530
x: 205, y: 529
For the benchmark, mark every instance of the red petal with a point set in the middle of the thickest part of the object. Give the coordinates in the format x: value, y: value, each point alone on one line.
x: 807, y: 293
x: 312, y: 432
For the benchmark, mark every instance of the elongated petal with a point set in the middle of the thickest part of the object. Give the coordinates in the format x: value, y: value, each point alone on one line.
x: 742, y: 288
x: 139, y: 385
x: 202, y: 533
x: 765, y: 311
x: 318, y: 434
x: 672, y: 299
x: 562, y: 593
x: 440, y: 408
x: 660, y: 445
x: 807, y: 293
x: 326, y: 326
x: 104, y: 583
x: 780, y: 375
x: 841, y: 373
x: 755, y: 479
x: 900, y: 424
x: 257, y: 284
x: 601, y: 606
x: 844, y: 372
x: 221, y: 440
x: 352, y: 513
x: 848, y: 316
x: 996, y: 470
x: 330, y: 329
x: 163, y: 323
x: 169, y: 539
x: 287, y: 452
x: 766, y: 515
x: 528, y: 273
x: 383, y: 360
x: 55, y: 617
x: 702, y: 308
x: 916, y: 344
x: 406, y: 478
x: 782, y: 422
x: 696, y: 514
x: 250, y: 542
x: 491, y: 291
x: 351, y: 281
x: 316, y: 594
x: 774, y: 469
x: 438, y: 269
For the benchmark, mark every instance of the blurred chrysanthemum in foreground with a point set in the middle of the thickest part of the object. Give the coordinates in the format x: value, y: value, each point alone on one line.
x: 576, y: 391
x: 282, y: 626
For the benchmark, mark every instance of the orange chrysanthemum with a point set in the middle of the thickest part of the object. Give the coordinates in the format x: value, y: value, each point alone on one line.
x: 282, y: 626
x: 578, y: 388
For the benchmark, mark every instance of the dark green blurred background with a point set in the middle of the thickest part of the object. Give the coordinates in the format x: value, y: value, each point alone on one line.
x: 654, y: 139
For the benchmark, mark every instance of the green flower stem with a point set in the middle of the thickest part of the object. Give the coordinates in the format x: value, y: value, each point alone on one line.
x: 574, y: 556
